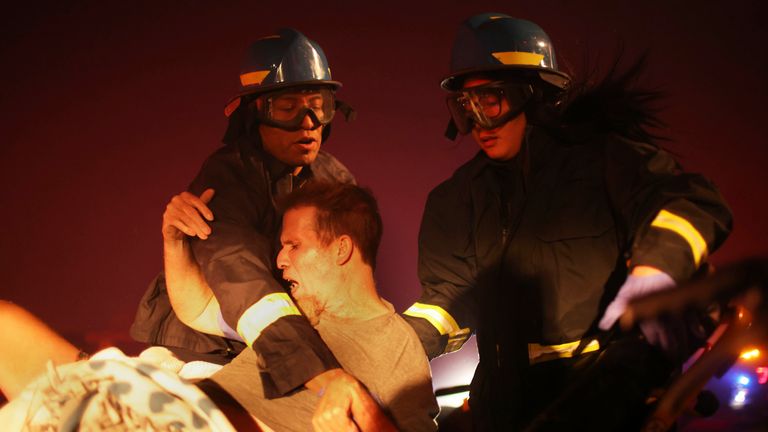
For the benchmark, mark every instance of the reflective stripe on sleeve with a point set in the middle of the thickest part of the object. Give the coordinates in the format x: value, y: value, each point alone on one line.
x: 437, y: 316
x: 443, y: 322
x: 541, y: 353
x: 456, y: 340
x: 263, y: 313
x: 673, y: 222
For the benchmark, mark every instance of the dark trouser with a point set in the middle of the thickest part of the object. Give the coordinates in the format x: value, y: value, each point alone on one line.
x: 603, y: 391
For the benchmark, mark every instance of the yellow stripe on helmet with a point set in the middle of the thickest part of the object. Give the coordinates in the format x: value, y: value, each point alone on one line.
x: 673, y: 222
x: 519, y: 58
x: 253, y: 78
x: 263, y: 313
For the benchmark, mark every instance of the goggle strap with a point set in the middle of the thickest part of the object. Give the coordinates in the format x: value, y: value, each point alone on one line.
x: 451, y: 131
x: 349, y: 113
x: 316, y: 123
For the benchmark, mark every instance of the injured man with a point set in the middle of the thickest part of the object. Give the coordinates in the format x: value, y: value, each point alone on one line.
x: 329, y: 239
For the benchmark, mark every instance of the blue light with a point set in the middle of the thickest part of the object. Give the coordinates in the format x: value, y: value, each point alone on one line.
x: 743, y: 380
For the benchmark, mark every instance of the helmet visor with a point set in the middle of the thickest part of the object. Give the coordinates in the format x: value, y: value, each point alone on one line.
x: 488, y: 106
x: 287, y: 109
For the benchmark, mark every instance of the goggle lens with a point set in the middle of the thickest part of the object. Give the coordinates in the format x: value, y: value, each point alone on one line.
x: 488, y: 106
x: 485, y: 103
x: 288, y: 109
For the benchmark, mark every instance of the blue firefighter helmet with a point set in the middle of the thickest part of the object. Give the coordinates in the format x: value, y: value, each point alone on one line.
x: 493, y: 42
x: 286, y: 59
x: 283, y: 60
x: 279, y: 65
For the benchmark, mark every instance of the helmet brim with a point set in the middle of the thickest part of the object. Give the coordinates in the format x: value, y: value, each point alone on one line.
x: 558, y: 79
x: 259, y: 89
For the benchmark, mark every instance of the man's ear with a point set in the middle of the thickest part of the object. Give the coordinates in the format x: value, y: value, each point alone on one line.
x: 344, y: 249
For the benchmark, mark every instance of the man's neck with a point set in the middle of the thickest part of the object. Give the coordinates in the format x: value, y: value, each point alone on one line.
x: 357, y: 300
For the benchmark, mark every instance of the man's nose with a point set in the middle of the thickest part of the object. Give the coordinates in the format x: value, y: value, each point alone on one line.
x: 282, y: 261
x: 307, y: 123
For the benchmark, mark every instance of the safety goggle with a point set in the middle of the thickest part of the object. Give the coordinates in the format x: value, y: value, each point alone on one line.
x: 287, y: 109
x: 488, y: 106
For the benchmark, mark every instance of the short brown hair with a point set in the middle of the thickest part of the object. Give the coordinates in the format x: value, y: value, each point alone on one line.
x: 342, y: 209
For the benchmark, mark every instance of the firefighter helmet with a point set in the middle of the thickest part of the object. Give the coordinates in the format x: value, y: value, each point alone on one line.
x: 286, y: 59
x: 493, y: 42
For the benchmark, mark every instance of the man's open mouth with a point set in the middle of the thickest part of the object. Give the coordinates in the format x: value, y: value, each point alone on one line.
x: 292, y: 284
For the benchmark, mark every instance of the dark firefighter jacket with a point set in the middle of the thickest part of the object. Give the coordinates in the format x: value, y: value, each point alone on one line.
x: 540, y: 245
x: 238, y: 262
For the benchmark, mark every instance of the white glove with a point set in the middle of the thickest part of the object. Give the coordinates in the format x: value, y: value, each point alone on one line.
x: 635, y: 287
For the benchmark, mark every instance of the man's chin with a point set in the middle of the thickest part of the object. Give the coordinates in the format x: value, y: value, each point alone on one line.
x: 304, y: 158
x: 310, y: 309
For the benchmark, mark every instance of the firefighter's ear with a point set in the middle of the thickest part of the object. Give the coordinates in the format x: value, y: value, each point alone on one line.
x: 344, y: 249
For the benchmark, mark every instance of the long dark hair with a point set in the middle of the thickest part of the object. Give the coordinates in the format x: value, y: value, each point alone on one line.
x: 618, y: 103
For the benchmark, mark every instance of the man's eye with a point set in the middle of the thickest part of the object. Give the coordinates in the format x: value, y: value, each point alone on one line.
x: 284, y: 107
x: 284, y: 103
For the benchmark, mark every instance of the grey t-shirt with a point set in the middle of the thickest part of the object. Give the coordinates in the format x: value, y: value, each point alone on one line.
x: 384, y: 353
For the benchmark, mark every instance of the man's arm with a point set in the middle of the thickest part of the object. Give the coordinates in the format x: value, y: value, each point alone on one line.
x: 237, y: 261
x: 27, y: 345
x: 345, y: 405
x: 673, y: 221
x: 191, y: 297
x: 444, y: 315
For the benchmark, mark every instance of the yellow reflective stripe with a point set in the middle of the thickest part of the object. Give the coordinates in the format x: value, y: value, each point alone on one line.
x: 456, y: 340
x: 540, y: 353
x: 519, y: 58
x: 673, y: 222
x: 437, y: 316
x: 253, y: 78
x: 263, y: 313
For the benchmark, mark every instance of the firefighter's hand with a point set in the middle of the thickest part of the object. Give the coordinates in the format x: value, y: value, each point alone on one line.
x: 637, y: 285
x: 186, y: 214
x: 345, y: 405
